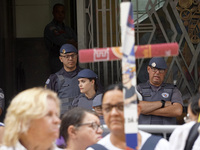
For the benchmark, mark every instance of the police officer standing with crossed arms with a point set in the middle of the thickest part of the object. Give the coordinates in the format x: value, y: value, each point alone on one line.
x: 161, y: 102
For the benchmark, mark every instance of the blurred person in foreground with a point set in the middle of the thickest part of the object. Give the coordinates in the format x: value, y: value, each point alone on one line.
x: 113, y: 111
x: 2, y: 101
x: 1, y: 131
x: 32, y: 121
x: 80, y: 128
x: 193, y: 109
x: 186, y: 136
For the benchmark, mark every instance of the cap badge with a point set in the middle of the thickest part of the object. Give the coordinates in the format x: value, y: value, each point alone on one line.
x: 153, y: 64
x: 63, y: 51
x: 165, y: 95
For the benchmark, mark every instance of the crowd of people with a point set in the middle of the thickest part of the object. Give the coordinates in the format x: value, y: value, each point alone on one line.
x: 70, y: 111
x: 33, y: 121
x: 41, y: 118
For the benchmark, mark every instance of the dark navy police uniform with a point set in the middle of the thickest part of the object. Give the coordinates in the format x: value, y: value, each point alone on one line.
x: 58, y: 34
x: 167, y: 92
x: 82, y: 100
x: 65, y: 83
x: 164, y: 92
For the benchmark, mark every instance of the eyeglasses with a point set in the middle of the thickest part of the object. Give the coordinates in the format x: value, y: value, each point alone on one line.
x: 98, y: 108
x: 69, y: 56
x: 108, y: 107
x: 94, y: 125
x: 156, y: 69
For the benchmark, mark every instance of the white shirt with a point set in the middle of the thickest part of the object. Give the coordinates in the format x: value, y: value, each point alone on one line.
x: 196, y: 145
x: 19, y: 146
x: 106, y: 143
x: 179, y: 136
x: 163, y: 144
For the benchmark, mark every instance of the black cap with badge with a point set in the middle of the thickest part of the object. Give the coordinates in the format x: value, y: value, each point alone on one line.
x: 68, y: 48
x: 87, y: 73
x: 158, y: 62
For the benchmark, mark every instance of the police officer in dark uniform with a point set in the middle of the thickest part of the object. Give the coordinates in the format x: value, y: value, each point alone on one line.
x: 56, y: 33
x: 2, y: 101
x: 161, y: 102
x: 89, y: 88
x: 96, y: 105
x: 65, y: 81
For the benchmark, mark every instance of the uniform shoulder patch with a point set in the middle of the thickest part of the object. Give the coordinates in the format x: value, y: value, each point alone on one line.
x: 47, y: 82
x: 165, y: 95
x: 1, y: 95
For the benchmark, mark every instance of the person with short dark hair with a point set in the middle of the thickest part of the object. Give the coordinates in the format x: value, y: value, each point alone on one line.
x: 96, y: 105
x: 161, y: 102
x: 65, y: 81
x: 89, y: 87
x: 56, y: 33
x: 193, y: 109
x: 80, y: 128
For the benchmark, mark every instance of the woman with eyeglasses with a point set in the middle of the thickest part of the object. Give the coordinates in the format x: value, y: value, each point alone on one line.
x: 89, y: 86
x: 113, y: 112
x: 113, y: 106
x: 80, y: 128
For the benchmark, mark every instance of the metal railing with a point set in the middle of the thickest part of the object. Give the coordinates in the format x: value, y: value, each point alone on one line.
x: 156, y: 129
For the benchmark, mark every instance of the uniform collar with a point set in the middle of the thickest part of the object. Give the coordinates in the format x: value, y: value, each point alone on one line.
x: 72, y: 73
x: 97, y: 93
x: 155, y: 88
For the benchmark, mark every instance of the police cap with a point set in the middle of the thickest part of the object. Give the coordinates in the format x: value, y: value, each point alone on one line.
x: 68, y: 48
x: 158, y: 62
x: 97, y: 100
x: 87, y: 73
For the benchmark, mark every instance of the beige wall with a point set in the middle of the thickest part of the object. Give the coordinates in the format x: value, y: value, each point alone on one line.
x: 32, y: 16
